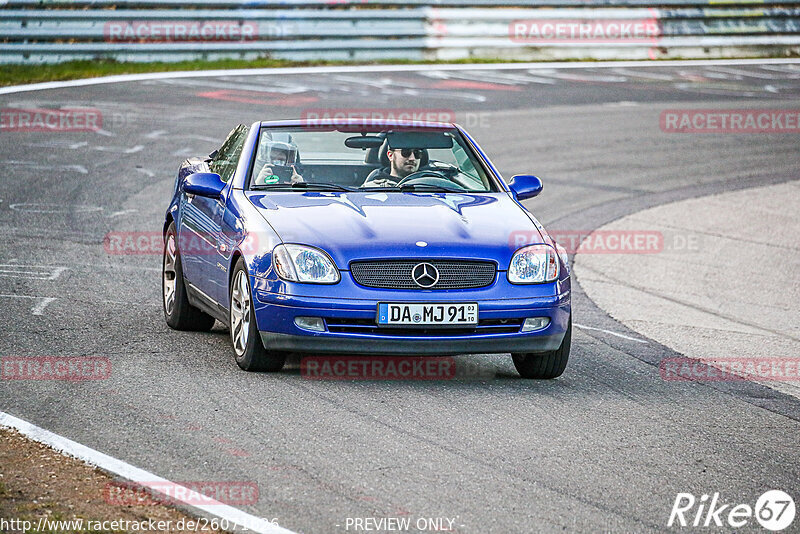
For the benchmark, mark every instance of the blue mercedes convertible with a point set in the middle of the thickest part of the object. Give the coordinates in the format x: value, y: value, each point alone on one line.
x: 348, y: 237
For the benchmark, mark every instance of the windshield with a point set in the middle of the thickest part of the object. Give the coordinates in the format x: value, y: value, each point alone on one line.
x: 396, y: 160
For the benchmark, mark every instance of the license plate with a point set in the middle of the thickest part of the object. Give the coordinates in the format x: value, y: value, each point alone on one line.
x: 457, y: 313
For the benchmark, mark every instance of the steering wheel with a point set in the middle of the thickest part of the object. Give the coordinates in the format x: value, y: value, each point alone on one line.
x: 420, y: 177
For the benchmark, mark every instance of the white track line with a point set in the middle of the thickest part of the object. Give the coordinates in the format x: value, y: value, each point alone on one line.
x: 129, y: 472
x: 387, y: 68
x: 39, y: 308
x: 623, y: 336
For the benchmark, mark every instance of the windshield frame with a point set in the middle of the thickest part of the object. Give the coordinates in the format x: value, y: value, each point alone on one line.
x: 494, y: 182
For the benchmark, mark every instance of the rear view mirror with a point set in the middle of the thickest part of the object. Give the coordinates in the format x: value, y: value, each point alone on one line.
x: 363, y: 141
x: 205, y: 184
x: 525, y: 186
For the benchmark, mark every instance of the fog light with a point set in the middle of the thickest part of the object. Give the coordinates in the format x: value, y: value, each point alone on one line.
x: 535, y: 323
x: 315, y: 324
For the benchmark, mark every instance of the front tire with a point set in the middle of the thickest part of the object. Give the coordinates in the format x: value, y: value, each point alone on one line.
x: 179, y: 314
x: 247, y: 347
x: 545, y: 365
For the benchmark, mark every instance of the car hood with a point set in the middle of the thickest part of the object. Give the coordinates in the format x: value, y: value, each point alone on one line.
x: 358, y: 226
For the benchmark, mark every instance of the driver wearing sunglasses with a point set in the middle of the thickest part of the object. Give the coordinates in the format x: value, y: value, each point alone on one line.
x: 402, y: 162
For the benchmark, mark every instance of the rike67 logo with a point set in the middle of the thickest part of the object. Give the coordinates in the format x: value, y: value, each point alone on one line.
x: 774, y: 510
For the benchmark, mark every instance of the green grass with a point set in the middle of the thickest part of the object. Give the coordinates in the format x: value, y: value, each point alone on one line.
x: 71, y: 70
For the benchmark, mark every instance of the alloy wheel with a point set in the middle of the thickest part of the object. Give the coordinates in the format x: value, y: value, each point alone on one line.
x: 169, y: 274
x: 240, y: 313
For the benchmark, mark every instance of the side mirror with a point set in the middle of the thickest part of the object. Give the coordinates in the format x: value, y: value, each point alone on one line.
x: 205, y: 184
x: 525, y: 186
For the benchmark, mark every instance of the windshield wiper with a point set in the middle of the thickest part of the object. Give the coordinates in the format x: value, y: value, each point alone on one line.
x: 309, y: 186
x: 322, y: 186
x: 377, y: 188
x: 430, y: 188
x: 427, y: 188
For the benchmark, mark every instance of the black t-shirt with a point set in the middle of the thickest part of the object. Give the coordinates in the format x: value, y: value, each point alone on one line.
x: 381, y: 174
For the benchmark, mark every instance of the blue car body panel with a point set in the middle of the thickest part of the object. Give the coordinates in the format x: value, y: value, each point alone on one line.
x: 356, y: 226
x: 214, y: 233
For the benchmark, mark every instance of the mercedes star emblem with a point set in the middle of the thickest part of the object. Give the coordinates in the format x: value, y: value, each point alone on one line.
x: 425, y: 275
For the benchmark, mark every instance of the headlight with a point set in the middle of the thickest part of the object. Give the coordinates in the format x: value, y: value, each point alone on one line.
x: 533, y: 264
x: 562, y: 252
x: 299, y: 263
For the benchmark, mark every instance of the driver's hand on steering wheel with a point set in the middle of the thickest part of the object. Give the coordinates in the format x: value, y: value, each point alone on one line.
x: 382, y: 182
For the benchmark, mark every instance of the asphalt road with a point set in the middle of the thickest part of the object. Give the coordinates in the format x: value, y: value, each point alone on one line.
x: 606, y: 447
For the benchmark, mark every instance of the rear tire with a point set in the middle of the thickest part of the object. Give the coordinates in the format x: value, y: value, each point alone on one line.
x: 545, y: 365
x: 247, y: 346
x: 179, y: 314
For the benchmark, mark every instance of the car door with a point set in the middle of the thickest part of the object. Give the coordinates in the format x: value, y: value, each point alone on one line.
x: 200, y: 223
x: 224, y: 164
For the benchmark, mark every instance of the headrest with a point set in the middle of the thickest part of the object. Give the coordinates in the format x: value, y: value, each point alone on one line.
x: 373, y: 157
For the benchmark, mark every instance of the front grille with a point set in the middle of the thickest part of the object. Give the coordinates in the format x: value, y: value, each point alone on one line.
x: 396, y: 274
x: 368, y: 326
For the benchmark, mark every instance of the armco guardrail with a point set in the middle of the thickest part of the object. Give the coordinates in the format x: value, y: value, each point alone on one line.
x: 153, y: 30
x: 348, y: 4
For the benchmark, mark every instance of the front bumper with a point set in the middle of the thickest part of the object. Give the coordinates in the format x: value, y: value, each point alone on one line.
x: 351, y: 329
x: 350, y: 344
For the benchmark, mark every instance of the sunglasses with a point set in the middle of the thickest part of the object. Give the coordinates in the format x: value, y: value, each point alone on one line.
x: 406, y: 152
